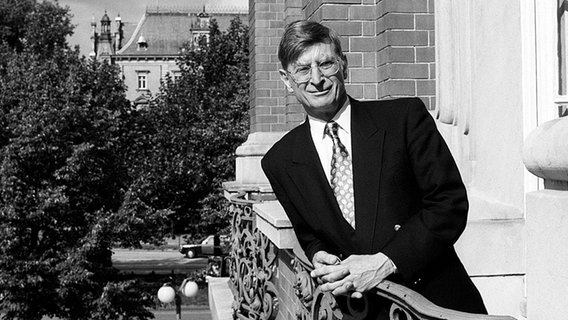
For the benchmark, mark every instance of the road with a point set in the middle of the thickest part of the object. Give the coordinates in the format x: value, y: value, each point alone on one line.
x: 157, y: 261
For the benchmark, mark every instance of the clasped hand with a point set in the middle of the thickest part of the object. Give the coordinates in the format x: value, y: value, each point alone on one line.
x: 352, y: 276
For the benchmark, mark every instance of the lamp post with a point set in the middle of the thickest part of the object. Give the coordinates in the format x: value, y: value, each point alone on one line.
x: 167, y: 293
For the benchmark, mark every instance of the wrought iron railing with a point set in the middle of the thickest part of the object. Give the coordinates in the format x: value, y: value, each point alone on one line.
x: 252, y: 265
x: 254, y: 262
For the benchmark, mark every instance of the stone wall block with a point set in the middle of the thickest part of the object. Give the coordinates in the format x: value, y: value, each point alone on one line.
x: 355, y: 59
x: 425, y: 54
x: 391, y: 54
x: 426, y: 87
x: 368, y: 75
x: 395, y: 21
x: 345, y: 28
x: 369, y: 28
x: 293, y: 3
x: 396, y: 88
x: 343, y: 1
x: 363, y: 44
x: 403, y: 6
x: 424, y: 21
x: 334, y: 12
x: 354, y: 90
x: 402, y: 38
x: 362, y: 12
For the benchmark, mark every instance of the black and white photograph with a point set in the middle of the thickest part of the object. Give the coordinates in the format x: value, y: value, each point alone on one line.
x: 283, y: 159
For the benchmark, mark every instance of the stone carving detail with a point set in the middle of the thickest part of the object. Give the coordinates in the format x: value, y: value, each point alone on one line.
x: 252, y: 265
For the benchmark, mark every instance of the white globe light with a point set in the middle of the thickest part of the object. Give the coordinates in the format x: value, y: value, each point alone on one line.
x: 166, y: 294
x: 190, y: 289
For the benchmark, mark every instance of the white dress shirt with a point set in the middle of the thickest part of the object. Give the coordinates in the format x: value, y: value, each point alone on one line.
x: 324, y: 143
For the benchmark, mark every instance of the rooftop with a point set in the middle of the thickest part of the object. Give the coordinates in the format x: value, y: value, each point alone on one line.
x: 166, y: 29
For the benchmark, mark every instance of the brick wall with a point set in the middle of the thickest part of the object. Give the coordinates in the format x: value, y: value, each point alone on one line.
x: 405, y: 49
x: 389, y: 46
x: 267, y: 93
x: 294, y: 110
x: 285, y: 280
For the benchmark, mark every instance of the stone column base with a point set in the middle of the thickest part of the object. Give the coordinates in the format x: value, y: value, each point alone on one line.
x: 546, y: 255
x: 249, y: 154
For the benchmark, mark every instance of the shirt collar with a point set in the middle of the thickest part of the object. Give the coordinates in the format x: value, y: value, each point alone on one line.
x: 342, y: 117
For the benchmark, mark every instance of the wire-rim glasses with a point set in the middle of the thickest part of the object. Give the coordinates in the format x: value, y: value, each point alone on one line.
x: 303, y: 73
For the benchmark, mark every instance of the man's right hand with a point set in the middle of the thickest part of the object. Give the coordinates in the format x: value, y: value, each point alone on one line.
x: 322, y: 259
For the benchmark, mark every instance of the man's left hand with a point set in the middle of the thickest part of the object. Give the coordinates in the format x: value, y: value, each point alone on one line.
x: 365, y: 273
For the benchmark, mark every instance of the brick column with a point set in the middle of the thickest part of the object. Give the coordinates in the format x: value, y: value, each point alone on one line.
x: 405, y: 44
x: 267, y: 92
x: 354, y: 20
x: 294, y: 111
x: 389, y: 45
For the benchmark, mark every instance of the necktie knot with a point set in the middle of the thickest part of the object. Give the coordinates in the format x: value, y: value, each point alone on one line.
x: 331, y: 129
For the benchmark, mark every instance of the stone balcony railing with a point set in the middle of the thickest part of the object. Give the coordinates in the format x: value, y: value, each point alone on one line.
x: 269, y: 273
x: 545, y: 155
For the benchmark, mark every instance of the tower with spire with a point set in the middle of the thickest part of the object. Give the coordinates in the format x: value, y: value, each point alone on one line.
x: 200, y: 28
x: 105, y: 43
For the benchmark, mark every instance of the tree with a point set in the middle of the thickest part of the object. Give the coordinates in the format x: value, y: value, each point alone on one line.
x: 192, y: 131
x: 36, y: 27
x: 63, y: 178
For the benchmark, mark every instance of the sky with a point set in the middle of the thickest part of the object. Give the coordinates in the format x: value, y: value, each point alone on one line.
x: 129, y: 10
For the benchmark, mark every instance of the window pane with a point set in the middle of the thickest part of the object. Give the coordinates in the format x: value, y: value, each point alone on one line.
x: 142, y: 81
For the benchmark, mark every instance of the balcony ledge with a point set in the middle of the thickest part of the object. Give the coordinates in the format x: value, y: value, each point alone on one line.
x: 274, y: 223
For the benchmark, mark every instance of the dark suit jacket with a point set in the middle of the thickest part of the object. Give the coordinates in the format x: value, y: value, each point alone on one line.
x: 410, y: 201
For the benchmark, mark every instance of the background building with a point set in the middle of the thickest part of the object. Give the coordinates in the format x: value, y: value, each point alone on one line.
x: 493, y: 74
x: 147, y: 52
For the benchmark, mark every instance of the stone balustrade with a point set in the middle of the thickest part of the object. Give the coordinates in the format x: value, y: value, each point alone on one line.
x: 269, y: 274
x: 545, y: 154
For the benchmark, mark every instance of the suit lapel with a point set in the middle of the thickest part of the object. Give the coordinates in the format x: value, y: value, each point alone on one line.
x: 367, y: 144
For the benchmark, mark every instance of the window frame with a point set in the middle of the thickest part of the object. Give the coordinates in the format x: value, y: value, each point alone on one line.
x: 142, y: 74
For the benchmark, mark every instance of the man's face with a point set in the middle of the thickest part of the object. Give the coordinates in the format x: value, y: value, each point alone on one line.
x: 314, y: 81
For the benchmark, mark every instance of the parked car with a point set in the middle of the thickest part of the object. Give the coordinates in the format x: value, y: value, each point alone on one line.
x: 212, y: 245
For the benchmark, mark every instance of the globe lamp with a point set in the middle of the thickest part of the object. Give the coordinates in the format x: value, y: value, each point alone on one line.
x: 166, y: 294
x: 190, y: 289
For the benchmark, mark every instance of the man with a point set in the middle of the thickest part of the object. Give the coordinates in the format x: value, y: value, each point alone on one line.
x: 371, y: 188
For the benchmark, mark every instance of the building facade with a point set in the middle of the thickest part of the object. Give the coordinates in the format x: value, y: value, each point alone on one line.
x: 493, y: 75
x: 147, y: 52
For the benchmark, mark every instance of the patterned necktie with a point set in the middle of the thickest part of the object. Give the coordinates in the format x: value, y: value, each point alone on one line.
x: 341, y: 174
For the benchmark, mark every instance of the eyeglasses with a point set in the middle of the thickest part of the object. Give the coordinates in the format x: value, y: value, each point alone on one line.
x: 303, y: 74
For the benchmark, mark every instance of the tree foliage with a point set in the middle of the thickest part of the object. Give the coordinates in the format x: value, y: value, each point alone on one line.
x: 192, y: 131
x: 35, y: 27
x: 82, y: 172
x: 63, y: 125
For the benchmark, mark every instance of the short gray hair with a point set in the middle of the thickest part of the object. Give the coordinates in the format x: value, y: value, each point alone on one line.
x: 301, y: 34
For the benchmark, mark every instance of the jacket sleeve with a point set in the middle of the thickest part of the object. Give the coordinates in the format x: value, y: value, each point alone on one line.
x: 442, y: 217
x: 306, y: 237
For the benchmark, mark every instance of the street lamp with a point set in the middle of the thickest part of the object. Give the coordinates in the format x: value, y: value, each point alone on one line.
x: 167, y: 293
